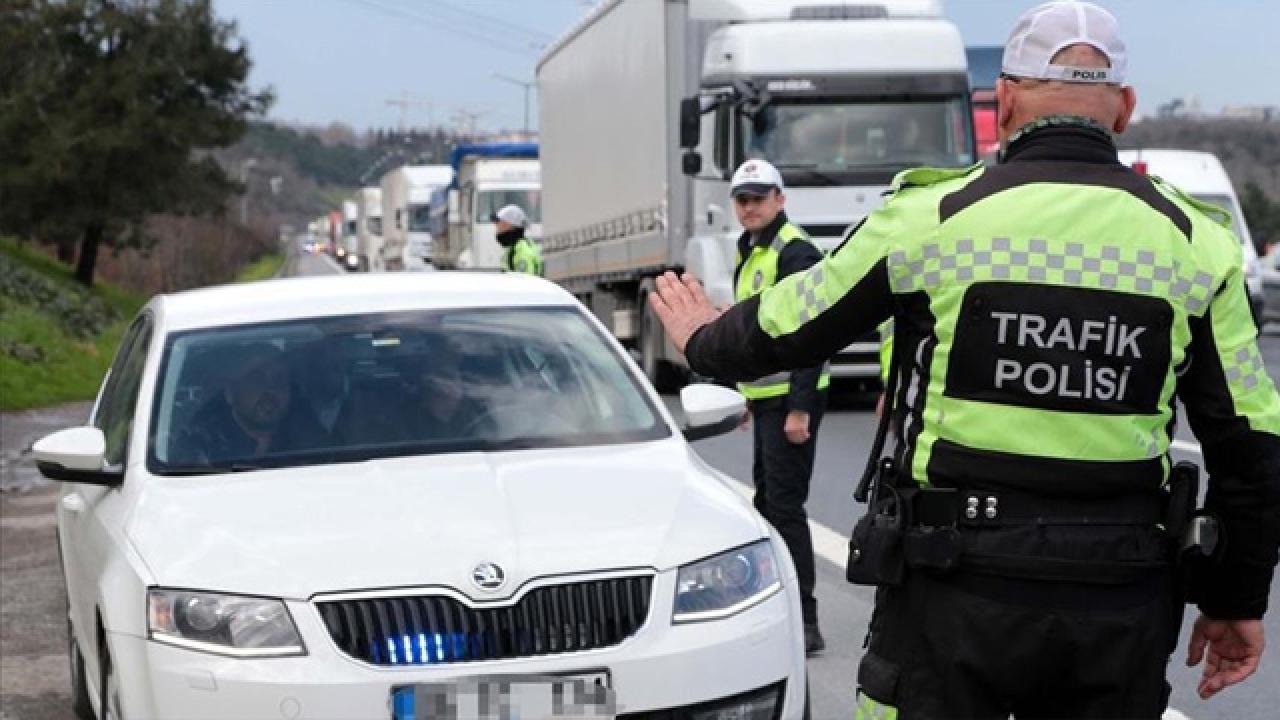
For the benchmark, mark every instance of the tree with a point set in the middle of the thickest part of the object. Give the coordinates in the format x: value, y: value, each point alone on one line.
x: 108, y: 107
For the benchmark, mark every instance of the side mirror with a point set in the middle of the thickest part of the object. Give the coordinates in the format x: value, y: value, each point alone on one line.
x: 690, y: 122
x: 691, y: 163
x: 75, y: 455
x: 455, y: 216
x: 711, y: 410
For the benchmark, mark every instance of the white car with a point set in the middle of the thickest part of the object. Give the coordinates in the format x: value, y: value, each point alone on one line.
x: 365, y: 496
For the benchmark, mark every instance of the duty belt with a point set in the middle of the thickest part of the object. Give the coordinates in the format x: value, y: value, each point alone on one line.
x: 975, y: 508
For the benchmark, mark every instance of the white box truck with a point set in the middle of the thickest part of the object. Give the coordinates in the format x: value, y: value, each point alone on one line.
x: 406, y: 212
x: 648, y: 106
x: 488, y: 177
x: 369, y: 227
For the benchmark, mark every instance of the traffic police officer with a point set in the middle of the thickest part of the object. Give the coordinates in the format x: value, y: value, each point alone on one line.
x: 1047, y: 312
x: 787, y: 406
x: 520, y: 254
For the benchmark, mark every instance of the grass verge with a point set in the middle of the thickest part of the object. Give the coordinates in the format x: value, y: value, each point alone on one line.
x: 263, y: 269
x: 44, y: 360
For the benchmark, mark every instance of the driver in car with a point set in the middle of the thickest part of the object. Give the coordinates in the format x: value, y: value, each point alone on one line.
x: 255, y: 414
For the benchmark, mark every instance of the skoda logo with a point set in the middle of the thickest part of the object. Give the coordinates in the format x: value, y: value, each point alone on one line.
x: 488, y: 576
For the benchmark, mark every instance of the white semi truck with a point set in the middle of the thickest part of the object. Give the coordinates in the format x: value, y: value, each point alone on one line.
x: 488, y: 177
x: 369, y: 227
x: 406, y: 212
x: 648, y: 106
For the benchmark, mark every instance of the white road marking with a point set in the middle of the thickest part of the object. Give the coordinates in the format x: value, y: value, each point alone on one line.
x: 827, y: 543
x: 1174, y: 714
x: 1185, y: 446
x: 28, y: 522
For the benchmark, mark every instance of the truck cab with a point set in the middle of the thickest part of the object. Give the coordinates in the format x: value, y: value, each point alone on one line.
x: 488, y: 178
x: 860, y: 94
x: 406, y: 209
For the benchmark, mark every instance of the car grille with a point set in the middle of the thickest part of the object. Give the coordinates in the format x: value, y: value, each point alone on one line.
x: 434, y: 629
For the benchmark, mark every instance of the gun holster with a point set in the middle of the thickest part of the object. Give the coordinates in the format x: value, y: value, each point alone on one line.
x: 876, y: 545
x: 1196, y: 534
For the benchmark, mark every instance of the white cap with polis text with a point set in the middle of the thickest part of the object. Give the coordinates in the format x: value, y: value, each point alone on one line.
x: 755, y: 177
x: 1043, y: 31
x: 512, y: 215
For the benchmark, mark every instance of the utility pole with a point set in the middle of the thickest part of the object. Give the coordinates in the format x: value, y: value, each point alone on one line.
x: 406, y: 101
x: 244, y: 180
x: 527, y: 85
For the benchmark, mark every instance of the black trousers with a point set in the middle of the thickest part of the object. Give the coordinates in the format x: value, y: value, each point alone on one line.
x: 968, y: 646
x: 781, y: 470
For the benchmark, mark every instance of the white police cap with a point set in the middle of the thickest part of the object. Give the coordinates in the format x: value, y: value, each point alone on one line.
x: 755, y: 177
x: 1044, y: 31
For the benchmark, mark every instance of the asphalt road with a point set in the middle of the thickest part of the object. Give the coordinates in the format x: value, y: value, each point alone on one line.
x: 33, y: 675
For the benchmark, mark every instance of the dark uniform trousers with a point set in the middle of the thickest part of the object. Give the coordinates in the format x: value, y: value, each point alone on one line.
x: 971, y: 646
x: 781, y: 471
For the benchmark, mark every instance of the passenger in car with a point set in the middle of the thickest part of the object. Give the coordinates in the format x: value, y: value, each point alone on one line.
x: 445, y: 411
x: 255, y: 415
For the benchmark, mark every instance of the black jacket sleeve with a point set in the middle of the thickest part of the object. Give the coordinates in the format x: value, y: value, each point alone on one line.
x: 1235, y: 415
x: 804, y: 395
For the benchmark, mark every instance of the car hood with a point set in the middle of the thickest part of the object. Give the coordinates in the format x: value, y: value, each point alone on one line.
x: 429, y: 521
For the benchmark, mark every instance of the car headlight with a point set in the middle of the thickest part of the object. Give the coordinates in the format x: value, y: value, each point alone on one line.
x: 223, y: 624
x: 726, y: 584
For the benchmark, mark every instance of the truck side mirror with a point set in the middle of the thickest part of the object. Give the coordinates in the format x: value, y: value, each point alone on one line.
x: 455, y: 217
x: 690, y: 122
x: 691, y: 163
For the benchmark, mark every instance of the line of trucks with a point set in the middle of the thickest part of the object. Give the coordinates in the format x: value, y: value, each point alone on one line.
x: 646, y: 108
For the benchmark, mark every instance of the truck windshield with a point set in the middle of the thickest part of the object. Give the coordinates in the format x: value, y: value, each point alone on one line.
x: 374, y: 224
x: 489, y: 202
x: 420, y: 218
x: 851, y: 135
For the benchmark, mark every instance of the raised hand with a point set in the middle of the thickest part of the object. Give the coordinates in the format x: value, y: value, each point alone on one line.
x: 682, y: 305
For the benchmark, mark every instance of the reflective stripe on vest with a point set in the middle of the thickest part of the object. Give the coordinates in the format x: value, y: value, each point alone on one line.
x: 757, y: 273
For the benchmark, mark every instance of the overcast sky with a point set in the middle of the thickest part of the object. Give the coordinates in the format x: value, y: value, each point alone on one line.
x: 342, y: 60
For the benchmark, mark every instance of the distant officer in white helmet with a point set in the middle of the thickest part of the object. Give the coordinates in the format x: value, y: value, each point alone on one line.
x: 520, y: 254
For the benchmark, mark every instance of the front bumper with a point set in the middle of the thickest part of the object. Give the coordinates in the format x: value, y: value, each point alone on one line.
x: 661, y: 667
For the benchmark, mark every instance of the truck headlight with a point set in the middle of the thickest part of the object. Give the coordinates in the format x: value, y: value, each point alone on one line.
x: 726, y: 584
x: 223, y: 624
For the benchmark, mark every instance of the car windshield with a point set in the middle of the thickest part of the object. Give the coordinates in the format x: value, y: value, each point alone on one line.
x: 344, y: 389
x: 1224, y: 202
x: 840, y: 136
x: 489, y: 202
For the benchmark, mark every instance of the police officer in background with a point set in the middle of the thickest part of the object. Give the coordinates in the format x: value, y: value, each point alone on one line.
x: 1048, y: 311
x: 520, y: 254
x: 787, y: 406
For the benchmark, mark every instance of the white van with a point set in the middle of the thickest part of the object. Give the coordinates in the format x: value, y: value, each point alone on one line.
x: 1201, y: 175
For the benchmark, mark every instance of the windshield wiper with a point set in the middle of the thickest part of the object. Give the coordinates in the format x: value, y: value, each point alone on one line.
x: 811, y: 169
x: 184, y: 470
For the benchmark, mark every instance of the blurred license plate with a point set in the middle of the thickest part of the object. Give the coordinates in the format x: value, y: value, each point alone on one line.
x: 507, y: 697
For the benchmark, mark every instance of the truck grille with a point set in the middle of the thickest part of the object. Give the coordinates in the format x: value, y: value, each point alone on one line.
x: 434, y: 630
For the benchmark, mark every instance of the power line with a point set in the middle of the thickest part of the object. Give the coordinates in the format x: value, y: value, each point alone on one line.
x: 538, y: 35
x: 452, y: 26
